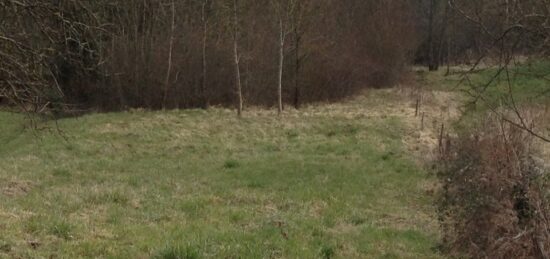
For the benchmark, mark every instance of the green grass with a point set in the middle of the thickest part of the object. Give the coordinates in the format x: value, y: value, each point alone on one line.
x: 524, y: 85
x: 528, y: 82
x: 205, y: 184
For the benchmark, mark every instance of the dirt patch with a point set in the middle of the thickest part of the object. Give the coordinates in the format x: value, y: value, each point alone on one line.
x: 344, y: 228
x: 317, y: 208
x: 15, y: 188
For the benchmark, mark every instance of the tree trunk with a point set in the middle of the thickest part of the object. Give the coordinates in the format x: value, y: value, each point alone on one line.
x: 450, y: 35
x: 432, y: 63
x: 236, y: 59
x: 203, y: 95
x: 442, y: 33
x: 297, y: 69
x: 169, y: 69
x: 281, y: 64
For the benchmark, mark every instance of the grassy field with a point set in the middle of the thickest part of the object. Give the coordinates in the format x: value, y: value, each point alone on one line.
x: 330, y: 181
x: 487, y: 90
x: 528, y: 83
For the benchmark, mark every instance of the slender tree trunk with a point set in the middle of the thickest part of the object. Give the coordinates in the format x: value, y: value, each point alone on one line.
x: 507, y: 17
x: 448, y: 58
x: 238, y: 80
x: 169, y: 69
x: 432, y: 66
x: 236, y: 59
x: 247, y: 75
x: 450, y: 35
x: 281, y: 64
x: 203, y: 95
x: 442, y: 33
x: 297, y: 68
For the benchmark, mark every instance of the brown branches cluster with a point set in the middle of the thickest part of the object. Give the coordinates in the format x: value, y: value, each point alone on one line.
x: 502, y: 23
x: 33, y: 34
x: 494, y: 201
x: 111, y: 55
x: 508, y: 31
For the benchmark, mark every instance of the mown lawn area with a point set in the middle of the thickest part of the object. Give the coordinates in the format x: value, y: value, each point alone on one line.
x: 205, y: 184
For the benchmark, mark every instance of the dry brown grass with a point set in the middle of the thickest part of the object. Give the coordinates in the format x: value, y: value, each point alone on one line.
x: 13, y: 188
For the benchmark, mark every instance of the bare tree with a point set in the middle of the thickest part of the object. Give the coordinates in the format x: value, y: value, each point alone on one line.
x: 282, y: 36
x: 437, y: 26
x: 299, y: 22
x: 205, y: 9
x: 170, y: 50
x: 34, y: 57
x: 236, y: 58
x: 283, y: 11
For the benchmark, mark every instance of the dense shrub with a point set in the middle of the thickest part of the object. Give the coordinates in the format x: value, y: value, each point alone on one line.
x: 495, y: 200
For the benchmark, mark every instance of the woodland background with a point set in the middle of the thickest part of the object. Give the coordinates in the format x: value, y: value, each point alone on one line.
x: 113, y: 55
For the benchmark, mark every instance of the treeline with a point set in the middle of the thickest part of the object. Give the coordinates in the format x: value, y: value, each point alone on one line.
x: 111, y: 55
x: 115, y: 54
x: 465, y: 31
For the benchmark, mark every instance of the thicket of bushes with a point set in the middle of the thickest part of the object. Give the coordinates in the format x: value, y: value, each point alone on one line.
x: 155, y: 54
x: 495, y: 200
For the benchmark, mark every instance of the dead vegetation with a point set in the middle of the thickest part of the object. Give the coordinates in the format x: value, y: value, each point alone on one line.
x: 494, y: 200
x: 14, y: 188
